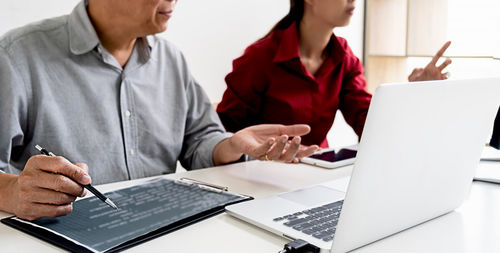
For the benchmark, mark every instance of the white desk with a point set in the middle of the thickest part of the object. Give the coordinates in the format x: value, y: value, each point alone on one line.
x: 474, y: 227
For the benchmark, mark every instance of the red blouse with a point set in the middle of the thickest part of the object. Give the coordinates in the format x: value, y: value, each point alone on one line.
x: 269, y: 84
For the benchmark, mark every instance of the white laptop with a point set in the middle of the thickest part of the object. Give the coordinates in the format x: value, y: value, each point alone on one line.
x: 420, y: 146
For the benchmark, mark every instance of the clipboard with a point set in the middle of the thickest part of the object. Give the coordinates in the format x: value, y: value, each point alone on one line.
x: 141, y: 221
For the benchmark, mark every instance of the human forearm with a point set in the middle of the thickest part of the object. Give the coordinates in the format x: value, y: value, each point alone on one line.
x: 7, y: 181
x: 225, y: 152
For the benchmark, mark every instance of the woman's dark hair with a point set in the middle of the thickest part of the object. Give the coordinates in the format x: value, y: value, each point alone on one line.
x: 294, y: 15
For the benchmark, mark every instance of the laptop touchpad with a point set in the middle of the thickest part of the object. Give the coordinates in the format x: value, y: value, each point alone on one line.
x: 313, y: 196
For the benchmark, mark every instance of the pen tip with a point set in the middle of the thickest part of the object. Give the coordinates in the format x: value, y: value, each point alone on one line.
x: 38, y: 147
x: 111, y: 204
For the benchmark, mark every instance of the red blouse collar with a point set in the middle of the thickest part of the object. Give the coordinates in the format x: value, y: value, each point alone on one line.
x: 288, y: 48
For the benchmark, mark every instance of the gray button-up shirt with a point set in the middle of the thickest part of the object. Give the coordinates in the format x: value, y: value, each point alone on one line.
x: 61, y: 89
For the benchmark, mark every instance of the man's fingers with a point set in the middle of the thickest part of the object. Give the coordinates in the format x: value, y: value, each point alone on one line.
x: 59, y: 183
x: 307, y: 151
x: 261, y: 150
x: 83, y: 166
x: 292, y: 150
x: 45, y: 196
x: 59, y: 165
x: 277, y: 149
x: 444, y: 64
x: 44, y: 188
x: 440, y: 53
x: 35, y: 211
x: 72, y: 171
x: 294, y: 130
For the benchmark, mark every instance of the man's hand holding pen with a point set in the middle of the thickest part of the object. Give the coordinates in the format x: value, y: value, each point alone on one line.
x: 47, y: 187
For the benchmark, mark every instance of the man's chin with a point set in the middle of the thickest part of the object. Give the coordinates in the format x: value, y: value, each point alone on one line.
x: 162, y: 28
x: 156, y: 29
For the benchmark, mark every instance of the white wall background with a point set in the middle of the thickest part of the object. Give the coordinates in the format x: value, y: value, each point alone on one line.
x: 15, y: 13
x: 210, y: 33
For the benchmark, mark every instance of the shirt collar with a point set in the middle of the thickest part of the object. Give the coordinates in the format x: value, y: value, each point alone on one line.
x: 82, y: 35
x: 288, y: 48
x: 289, y: 45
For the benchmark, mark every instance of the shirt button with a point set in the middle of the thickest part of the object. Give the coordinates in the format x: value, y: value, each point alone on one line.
x: 128, y: 113
x: 132, y: 152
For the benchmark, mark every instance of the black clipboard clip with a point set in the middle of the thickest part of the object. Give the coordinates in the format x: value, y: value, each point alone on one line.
x: 486, y: 180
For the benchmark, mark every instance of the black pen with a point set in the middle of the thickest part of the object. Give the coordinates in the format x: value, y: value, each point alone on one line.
x: 88, y: 187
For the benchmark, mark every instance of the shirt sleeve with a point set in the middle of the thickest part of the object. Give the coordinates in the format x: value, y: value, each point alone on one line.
x: 13, y: 109
x: 203, y: 128
x: 354, y: 98
x: 246, y: 85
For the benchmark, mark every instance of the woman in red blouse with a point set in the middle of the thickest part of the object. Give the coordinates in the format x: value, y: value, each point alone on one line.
x: 302, y: 73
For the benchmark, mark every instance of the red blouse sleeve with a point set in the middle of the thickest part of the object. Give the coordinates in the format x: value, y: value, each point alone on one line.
x: 246, y: 85
x: 354, y: 98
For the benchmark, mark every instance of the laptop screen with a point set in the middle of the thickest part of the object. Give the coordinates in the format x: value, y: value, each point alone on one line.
x: 495, y: 139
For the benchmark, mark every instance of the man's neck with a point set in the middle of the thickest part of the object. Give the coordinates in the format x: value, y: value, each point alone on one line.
x: 117, y: 39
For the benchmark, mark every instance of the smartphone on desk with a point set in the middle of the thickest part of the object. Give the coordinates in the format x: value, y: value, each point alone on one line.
x: 331, y: 158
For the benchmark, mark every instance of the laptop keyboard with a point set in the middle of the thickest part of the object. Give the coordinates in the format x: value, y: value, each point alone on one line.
x: 319, y: 222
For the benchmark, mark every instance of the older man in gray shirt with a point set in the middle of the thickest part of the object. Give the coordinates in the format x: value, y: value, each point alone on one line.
x: 97, y: 87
